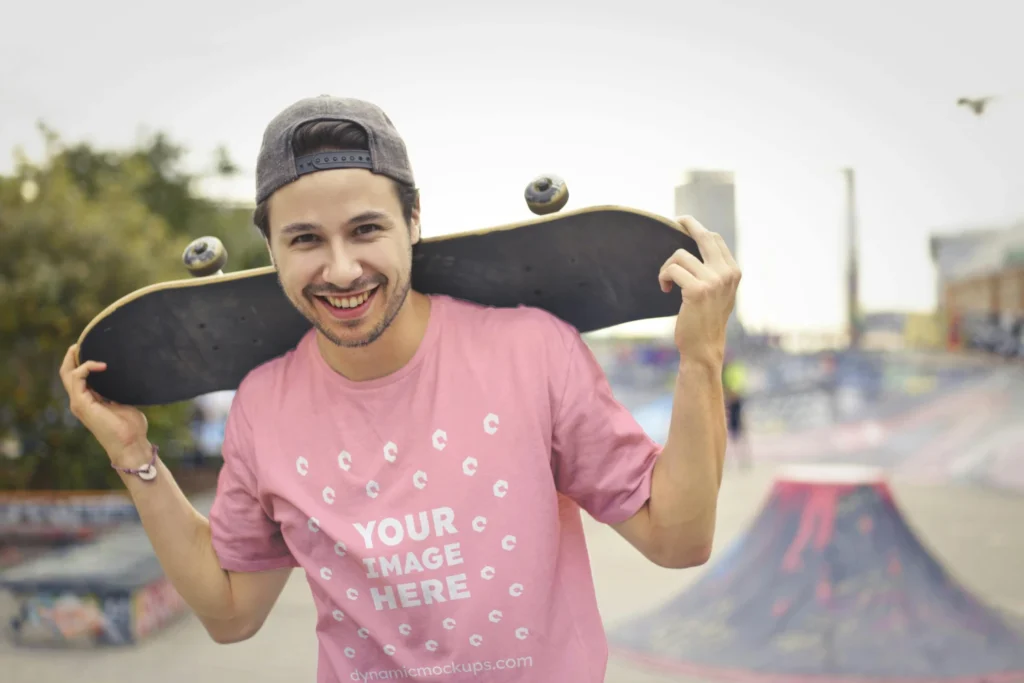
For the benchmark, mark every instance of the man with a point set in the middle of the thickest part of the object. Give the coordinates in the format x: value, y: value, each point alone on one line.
x: 423, y: 459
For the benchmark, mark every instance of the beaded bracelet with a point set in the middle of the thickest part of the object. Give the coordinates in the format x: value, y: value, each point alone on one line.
x: 147, y: 472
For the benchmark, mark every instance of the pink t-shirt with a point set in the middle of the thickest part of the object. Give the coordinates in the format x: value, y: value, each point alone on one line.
x: 436, y: 511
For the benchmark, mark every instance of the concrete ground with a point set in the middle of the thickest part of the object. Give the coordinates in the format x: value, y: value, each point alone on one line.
x: 969, y: 529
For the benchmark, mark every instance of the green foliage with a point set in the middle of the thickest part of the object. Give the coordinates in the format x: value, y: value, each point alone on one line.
x: 169, y: 192
x: 78, y: 231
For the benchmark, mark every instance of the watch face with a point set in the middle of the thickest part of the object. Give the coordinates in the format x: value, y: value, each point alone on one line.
x: 147, y: 472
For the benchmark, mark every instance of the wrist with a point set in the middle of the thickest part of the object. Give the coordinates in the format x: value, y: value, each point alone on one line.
x: 701, y: 363
x: 133, y: 457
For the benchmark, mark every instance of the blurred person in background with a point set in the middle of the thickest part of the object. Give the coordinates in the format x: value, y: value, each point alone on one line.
x: 734, y: 384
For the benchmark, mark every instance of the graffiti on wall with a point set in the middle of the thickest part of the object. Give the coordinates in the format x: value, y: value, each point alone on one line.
x: 120, y: 618
x: 74, y: 618
x: 154, y: 606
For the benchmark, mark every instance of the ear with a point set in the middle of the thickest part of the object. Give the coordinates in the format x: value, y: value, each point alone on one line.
x: 414, y: 222
x: 270, y: 252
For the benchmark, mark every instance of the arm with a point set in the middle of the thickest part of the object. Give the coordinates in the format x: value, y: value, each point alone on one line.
x: 232, y: 606
x: 676, y: 526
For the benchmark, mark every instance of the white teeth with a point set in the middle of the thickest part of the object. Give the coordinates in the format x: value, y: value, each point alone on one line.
x: 348, y: 302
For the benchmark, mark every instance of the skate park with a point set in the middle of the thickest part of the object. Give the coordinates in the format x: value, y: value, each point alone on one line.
x: 867, y: 554
x: 867, y: 527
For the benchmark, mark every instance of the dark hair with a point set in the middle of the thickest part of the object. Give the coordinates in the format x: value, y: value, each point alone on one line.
x: 324, y: 136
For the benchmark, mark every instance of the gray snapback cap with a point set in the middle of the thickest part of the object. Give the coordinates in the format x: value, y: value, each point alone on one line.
x: 277, y: 164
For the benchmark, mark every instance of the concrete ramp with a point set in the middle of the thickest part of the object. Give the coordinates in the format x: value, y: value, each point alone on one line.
x: 829, y: 583
x: 110, y: 591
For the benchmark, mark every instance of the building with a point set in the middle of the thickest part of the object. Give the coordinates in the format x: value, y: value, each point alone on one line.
x: 900, y: 331
x: 980, y: 280
x: 952, y: 253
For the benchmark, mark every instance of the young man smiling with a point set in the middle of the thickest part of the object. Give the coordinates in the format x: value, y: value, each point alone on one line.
x: 424, y: 460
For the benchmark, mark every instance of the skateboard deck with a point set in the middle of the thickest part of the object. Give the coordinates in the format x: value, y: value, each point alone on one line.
x: 594, y: 268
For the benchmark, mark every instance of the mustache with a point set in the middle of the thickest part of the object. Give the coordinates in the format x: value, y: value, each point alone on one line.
x: 329, y: 290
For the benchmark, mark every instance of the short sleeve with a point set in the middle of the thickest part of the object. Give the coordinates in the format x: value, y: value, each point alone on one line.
x: 245, y: 538
x: 603, y: 459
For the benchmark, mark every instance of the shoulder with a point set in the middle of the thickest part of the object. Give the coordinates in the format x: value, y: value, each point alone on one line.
x: 269, y: 378
x: 517, y: 324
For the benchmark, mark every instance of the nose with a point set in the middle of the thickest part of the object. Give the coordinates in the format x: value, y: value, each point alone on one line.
x: 341, y: 269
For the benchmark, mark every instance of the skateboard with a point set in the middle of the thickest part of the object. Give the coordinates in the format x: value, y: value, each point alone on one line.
x: 593, y: 267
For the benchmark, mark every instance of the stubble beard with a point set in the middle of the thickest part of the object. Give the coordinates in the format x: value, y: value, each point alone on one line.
x: 307, y: 308
x: 394, y: 306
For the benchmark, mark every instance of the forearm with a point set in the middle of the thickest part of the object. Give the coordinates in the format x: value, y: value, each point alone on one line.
x: 688, y: 474
x: 181, y: 539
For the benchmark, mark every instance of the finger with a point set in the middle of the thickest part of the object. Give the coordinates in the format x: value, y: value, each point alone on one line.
x: 731, y: 273
x: 675, y: 274
x: 687, y: 223
x: 66, y: 366
x: 685, y: 259
x: 702, y: 236
x: 78, y: 375
x: 74, y: 377
x: 88, y: 367
x: 726, y: 253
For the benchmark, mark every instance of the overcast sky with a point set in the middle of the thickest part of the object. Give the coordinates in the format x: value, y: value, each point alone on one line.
x: 619, y: 98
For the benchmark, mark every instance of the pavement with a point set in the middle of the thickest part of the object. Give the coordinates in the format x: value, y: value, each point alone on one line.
x: 967, y: 527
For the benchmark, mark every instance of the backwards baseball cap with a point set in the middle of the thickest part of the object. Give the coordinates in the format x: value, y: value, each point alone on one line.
x: 277, y: 164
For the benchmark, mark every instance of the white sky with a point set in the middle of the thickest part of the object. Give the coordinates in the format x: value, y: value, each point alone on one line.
x: 619, y: 98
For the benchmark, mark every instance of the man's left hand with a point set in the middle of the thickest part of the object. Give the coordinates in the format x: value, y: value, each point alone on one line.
x: 708, y: 290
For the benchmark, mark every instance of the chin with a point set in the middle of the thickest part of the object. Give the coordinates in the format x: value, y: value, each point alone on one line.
x: 349, y: 334
x: 348, y: 338
x: 356, y: 333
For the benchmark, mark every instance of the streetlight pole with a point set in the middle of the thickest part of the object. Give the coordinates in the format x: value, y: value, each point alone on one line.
x: 852, y: 262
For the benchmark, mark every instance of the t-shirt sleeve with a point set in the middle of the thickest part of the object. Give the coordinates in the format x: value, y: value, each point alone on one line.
x: 245, y: 538
x: 603, y: 459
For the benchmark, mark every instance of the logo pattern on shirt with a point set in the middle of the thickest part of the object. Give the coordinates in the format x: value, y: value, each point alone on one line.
x: 390, y: 557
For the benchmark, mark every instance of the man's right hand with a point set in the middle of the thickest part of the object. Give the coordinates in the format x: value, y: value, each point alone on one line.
x: 120, y: 429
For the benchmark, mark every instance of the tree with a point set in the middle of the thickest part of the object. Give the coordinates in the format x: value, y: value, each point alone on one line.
x: 169, y: 191
x: 78, y: 231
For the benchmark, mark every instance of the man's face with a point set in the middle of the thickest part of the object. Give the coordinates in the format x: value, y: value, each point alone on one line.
x: 343, y: 252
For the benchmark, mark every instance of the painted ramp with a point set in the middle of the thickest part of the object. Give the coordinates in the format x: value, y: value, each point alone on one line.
x: 829, y: 583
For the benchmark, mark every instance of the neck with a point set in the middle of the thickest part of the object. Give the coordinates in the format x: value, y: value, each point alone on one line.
x: 390, y: 352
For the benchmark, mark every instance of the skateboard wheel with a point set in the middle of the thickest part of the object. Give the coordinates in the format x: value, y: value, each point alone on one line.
x: 546, y: 194
x: 205, y: 256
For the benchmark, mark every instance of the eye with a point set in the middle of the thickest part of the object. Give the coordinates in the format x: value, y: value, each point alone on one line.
x: 305, y: 238
x: 367, y: 228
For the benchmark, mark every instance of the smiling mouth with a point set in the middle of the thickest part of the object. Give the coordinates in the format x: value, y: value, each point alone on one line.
x: 349, y: 301
x: 348, y: 306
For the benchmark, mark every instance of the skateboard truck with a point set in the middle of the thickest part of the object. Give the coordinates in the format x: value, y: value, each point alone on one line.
x: 546, y: 194
x: 205, y: 256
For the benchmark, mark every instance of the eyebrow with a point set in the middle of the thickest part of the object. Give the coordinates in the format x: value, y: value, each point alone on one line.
x: 364, y: 217
x: 293, y: 228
